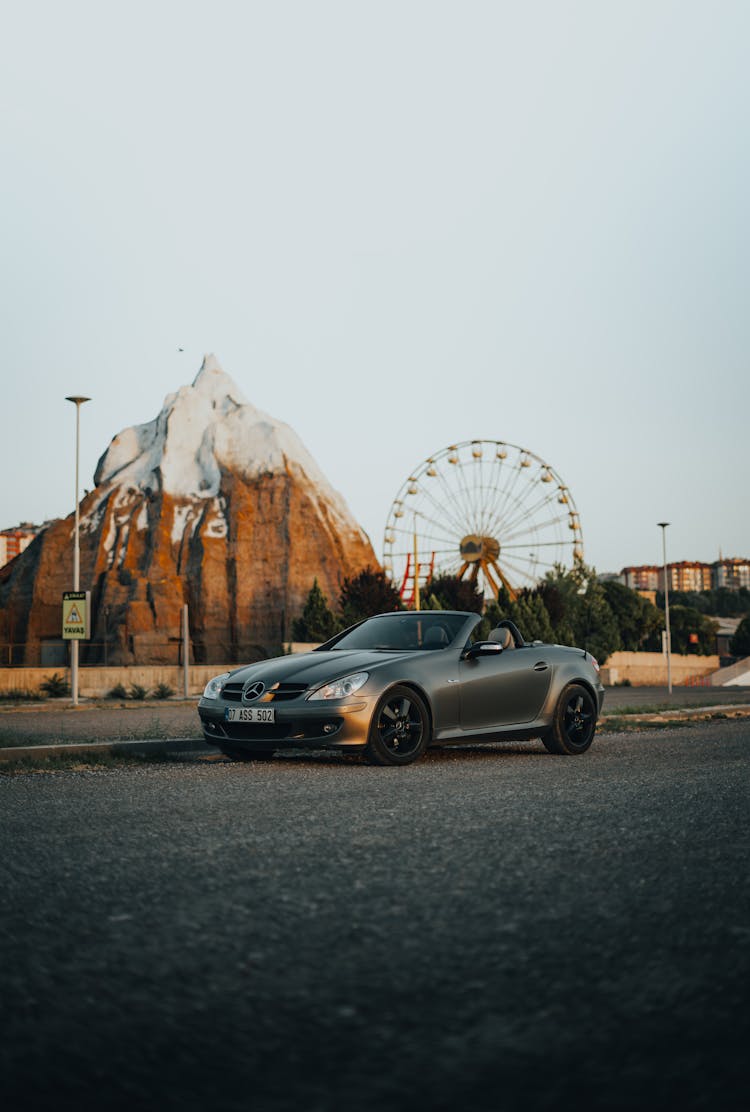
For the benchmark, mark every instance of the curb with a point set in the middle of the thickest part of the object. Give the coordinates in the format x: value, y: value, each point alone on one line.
x: 157, y: 746
x: 681, y: 712
x: 121, y: 748
x: 697, y: 714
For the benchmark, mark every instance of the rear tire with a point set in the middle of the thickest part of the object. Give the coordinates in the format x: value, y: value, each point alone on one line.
x: 574, y: 723
x: 399, y: 729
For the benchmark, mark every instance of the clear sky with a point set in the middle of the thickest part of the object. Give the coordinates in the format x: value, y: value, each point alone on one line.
x: 398, y: 225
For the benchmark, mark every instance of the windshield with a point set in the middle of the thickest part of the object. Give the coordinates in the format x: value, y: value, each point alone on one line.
x: 404, y: 632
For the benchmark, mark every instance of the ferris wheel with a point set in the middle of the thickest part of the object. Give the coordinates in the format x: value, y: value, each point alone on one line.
x: 484, y: 510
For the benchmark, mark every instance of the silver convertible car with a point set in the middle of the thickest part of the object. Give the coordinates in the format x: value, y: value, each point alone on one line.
x: 396, y: 683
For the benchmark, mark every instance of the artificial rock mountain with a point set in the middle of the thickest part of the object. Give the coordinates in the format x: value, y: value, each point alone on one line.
x: 214, y: 504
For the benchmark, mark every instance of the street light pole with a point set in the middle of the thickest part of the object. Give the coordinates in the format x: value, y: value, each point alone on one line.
x: 663, y: 526
x: 78, y: 401
x: 417, y: 600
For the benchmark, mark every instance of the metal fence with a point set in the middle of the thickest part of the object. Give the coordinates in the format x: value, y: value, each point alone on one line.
x: 54, y: 653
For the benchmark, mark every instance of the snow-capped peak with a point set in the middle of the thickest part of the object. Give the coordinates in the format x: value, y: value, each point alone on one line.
x: 213, y: 382
x: 204, y: 430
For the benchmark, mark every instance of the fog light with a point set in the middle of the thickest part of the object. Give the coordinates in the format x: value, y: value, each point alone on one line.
x: 329, y: 728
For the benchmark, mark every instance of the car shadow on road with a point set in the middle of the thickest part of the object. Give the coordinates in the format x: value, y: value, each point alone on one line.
x: 447, y: 754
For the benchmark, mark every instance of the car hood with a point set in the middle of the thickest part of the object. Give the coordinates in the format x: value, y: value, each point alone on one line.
x: 317, y: 667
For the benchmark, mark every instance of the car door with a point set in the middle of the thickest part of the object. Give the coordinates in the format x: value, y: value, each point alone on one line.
x: 504, y: 689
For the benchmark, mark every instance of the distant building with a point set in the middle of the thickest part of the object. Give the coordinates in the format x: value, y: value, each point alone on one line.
x: 14, y: 541
x: 687, y: 576
x: 732, y: 573
x: 643, y: 578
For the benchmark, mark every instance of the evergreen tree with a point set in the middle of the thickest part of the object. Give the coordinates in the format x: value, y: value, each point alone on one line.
x: 579, y: 611
x: 535, y: 622
x: 317, y: 622
x: 448, y: 592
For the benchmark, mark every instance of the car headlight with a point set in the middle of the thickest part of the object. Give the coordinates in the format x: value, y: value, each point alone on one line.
x: 339, y: 689
x: 212, y: 690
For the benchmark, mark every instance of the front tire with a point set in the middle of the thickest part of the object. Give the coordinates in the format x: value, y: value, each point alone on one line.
x: 400, y: 728
x: 574, y: 723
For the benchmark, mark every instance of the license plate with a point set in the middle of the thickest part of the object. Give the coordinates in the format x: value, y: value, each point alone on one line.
x: 250, y: 714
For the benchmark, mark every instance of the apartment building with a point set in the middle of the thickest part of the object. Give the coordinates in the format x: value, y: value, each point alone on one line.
x: 643, y: 578
x: 689, y: 575
x: 14, y: 541
x: 732, y: 573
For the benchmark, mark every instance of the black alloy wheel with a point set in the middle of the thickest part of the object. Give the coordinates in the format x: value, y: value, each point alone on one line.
x: 400, y: 728
x: 574, y: 723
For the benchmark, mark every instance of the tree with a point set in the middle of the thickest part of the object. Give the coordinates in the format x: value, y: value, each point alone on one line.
x: 638, y: 620
x: 448, y: 592
x: 368, y: 593
x: 685, y: 622
x: 318, y: 622
x: 720, y: 602
x: 533, y: 619
x: 740, y: 642
x: 579, y: 610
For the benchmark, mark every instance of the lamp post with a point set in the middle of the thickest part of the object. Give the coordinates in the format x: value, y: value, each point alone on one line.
x: 417, y: 600
x: 663, y: 526
x: 78, y: 401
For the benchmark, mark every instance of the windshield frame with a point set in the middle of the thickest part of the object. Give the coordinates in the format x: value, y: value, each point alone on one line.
x: 462, y: 629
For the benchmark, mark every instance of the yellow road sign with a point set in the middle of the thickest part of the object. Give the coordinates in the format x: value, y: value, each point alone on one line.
x: 76, y: 609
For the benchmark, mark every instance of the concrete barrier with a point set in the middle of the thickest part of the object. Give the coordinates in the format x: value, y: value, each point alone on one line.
x: 650, y: 669
x: 96, y: 683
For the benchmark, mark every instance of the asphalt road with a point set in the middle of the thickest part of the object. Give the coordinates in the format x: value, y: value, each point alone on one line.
x: 56, y: 721
x: 499, y: 929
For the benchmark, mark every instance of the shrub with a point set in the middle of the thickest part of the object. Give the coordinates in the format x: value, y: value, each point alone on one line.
x: 56, y: 686
x: 162, y: 691
x: 19, y: 696
x: 137, y: 692
x: 117, y: 692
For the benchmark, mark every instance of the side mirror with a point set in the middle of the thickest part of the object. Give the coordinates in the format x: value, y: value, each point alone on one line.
x: 482, y: 648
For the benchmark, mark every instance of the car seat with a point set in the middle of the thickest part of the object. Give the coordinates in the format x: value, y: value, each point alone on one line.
x: 435, y: 638
x: 503, y: 637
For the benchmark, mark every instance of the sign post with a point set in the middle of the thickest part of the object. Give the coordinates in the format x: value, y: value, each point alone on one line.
x: 78, y: 400
x: 76, y: 614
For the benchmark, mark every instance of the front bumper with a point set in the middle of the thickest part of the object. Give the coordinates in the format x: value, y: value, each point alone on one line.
x: 299, y: 724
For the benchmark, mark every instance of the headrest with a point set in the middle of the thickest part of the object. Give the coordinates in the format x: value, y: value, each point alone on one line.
x: 435, y: 636
x: 502, y: 635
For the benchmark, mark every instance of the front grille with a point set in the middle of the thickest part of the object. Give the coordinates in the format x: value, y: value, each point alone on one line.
x: 232, y: 692
x: 283, y: 691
